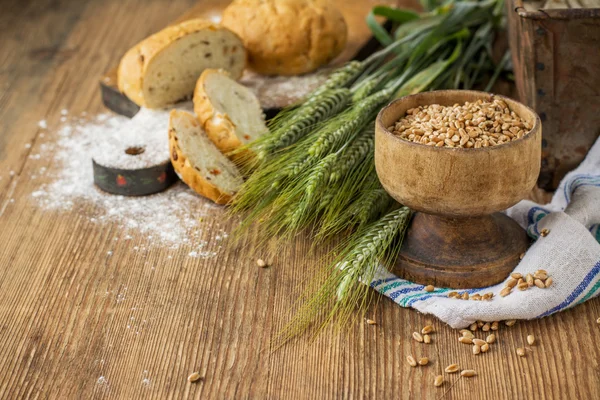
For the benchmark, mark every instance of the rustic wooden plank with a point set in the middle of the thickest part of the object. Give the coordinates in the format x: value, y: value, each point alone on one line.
x: 65, y: 305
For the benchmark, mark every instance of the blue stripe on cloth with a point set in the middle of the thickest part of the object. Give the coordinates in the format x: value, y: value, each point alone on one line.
x: 394, y: 285
x: 577, y: 181
x: 394, y: 295
x: 576, y: 293
x: 380, y: 281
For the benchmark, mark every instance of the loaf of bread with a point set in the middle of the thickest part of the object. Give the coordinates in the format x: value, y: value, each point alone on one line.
x: 164, y: 68
x: 198, y: 162
x: 230, y: 112
x: 287, y: 37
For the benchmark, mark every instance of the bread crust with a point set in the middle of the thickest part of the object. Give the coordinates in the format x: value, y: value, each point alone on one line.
x: 185, y: 170
x: 218, y: 126
x: 287, y: 37
x: 134, y: 63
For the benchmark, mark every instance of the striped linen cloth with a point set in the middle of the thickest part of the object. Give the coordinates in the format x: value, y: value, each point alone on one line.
x: 570, y: 253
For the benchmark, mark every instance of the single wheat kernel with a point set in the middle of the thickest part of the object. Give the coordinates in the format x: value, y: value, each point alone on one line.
x: 411, y: 361
x: 480, y: 323
x: 490, y: 339
x: 541, y: 271
x: 495, y: 325
x: 548, y: 282
x: 530, y: 340
x: 423, y: 361
x: 465, y: 296
x: 417, y: 336
x: 540, y: 275
x: 516, y: 275
x: 261, y: 263
x: 511, y: 282
x: 468, y: 334
x: 510, y: 322
x: 426, y: 339
x: 544, y: 232
x: 473, y: 327
x: 194, y: 377
x: 505, y: 292
x: 465, y: 340
x: 486, y: 327
x: 452, y: 368
x: 438, y: 381
x: 429, y: 288
x: 539, y: 284
x: 427, y: 329
x: 521, y: 352
x: 485, y: 348
x: 487, y: 296
x: 467, y: 373
x: 476, y: 296
x: 529, y: 280
x: 476, y: 349
x: 452, y: 294
x: 478, y: 342
x: 523, y: 286
x: 371, y: 322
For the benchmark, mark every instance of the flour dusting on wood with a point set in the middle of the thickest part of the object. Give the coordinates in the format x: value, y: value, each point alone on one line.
x: 168, y: 219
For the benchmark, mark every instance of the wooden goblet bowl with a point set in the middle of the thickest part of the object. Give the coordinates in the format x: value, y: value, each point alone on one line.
x: 458, y: 238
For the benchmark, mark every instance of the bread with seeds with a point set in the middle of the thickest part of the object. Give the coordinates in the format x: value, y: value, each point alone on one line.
x: 229, y: 112
x: 198, y: 162
x: 163, y: 68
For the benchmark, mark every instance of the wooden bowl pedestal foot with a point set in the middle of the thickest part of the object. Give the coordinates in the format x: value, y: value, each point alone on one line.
x: 460, y: 252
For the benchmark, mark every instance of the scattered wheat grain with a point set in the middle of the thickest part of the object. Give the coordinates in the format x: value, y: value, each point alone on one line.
x: 194, y: 377
x: 427, y: 329
x: 452, y: 368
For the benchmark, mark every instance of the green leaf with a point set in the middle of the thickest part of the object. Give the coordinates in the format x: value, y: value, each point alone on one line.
x: 378, y: 31
x: 422, y: 80
x: 394, y: 14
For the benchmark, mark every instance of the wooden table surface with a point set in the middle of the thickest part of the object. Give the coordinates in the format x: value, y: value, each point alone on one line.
x: 63, y: 317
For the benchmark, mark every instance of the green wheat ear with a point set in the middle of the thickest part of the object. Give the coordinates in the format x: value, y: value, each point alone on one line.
x: 344, y: 286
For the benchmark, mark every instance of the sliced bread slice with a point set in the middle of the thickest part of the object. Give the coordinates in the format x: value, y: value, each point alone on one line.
x: 198, y: 162
x: 163, y: 69
x: 230, y: 112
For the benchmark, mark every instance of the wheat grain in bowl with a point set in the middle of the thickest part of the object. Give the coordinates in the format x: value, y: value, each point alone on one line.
x: 471, y: 125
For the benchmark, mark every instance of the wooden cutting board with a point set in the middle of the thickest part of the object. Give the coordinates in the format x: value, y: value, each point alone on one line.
x: 273, y: 92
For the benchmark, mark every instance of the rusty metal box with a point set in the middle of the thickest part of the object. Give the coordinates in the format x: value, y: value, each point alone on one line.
x: 556, y: 59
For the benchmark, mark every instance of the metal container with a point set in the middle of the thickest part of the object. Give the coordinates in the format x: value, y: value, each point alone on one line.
x: 556, y: 58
